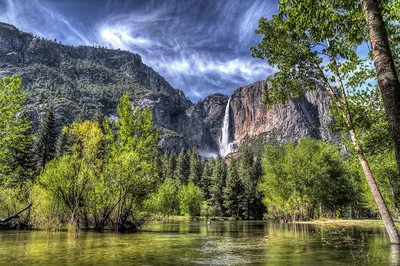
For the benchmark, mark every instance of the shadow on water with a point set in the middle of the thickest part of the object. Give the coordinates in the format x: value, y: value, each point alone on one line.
x: 185, y: 243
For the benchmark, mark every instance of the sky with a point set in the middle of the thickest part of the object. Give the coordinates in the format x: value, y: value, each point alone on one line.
x: 201, y: 47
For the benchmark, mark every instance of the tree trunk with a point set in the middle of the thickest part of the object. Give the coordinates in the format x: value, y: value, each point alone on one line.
x: 388, y: 80
x: 383, y: 210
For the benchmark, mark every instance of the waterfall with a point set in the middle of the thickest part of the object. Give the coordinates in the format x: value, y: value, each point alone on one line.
x: 225, y: 145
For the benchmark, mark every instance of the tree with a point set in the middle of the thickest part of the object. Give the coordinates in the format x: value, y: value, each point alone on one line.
x: 16, y: 153
x: 182, y: 170
x: 310, y: 50
x: 171, y: 165
x: 164, y: 166
x: 166, y: 201
x: 387, y: 76
x: 233, y: 192
x: 371, y: 121
x: 130, y: 164
x: 46, y: 141
x: 205, y: 182
x: 190, y: 200
x: 14, y: 124
x: 250, y: 173
x: 23, y: 163
x: 196, y: 167
x: 102, y: 177
x: 62, y: 190
x: 217, y: 185
x: 296, y: 179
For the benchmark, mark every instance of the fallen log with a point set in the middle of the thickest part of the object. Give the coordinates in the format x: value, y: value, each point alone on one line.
x: 15, y: 216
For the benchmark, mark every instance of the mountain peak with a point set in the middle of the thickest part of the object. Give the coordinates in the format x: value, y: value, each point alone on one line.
x: 8, y: 26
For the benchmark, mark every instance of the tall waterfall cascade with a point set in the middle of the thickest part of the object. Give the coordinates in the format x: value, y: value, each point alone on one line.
x: 226, y: 146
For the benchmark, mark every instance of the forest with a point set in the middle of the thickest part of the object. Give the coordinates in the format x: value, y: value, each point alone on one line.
x: 110, y: 175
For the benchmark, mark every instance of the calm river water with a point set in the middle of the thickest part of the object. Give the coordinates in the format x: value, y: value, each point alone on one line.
x: 184, y: 243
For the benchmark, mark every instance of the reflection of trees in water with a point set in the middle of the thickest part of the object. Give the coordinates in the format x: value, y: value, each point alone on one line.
x: 394, y: 254
x: 360, y: 242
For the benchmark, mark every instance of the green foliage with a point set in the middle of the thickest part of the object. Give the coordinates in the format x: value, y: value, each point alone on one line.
x: 250, y: 173
x: 14, y: 124
x: 63, y: 188
x: 164, y: 166
x: 171, y: 165
x: 370, y: 121
x: 16, y: 162
x: 206, y: 177
x: 130, y: 165
x: 233, y: 192
x: 46, y: 139
x: 217, y: 185
x: 296, y: 179
x: 165, y: 201
x: 313, y: 43
x: 182, y: 170
x: 190, y: 200
x: 196, y: 167
x: 101, y: 178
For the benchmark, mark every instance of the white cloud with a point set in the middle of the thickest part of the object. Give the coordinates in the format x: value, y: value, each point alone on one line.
x: 34, y: 16
x: 198, y: 47
x: 121, y: 37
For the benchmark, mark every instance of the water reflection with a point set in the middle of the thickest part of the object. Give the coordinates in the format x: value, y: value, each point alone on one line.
x: 395, y: 254
x: 182, y: 243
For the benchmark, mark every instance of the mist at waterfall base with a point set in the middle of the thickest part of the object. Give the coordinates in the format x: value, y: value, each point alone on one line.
x: 225, y: 145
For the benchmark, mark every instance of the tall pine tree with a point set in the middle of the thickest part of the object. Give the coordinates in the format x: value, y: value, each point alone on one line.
x: 250, y: 172
x: 182, y: 170
x: 46, y: 142
x: 217, y: 185
x: 196, y: 167
x: 233, y: 192
x: 205, y: 182
x: 171, y: 165
x: 164, y: 166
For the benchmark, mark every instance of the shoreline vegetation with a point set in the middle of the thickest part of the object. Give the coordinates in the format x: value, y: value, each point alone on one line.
x: 349, y: 222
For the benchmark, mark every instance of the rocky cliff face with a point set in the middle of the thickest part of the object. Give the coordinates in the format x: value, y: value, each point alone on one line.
x: 299, y: 118
x: 80, y: 81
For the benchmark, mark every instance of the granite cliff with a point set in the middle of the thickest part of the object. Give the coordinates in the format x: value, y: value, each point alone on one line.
x: 80, y: 81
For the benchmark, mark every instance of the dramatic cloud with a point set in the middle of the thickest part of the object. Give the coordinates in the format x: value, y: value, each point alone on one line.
x: 201, y: 47
x: 38, y: 18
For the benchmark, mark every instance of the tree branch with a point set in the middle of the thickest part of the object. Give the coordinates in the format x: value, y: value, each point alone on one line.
x: 15, y: 216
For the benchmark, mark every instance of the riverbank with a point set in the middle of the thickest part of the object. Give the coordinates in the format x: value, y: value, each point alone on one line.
x: 340, y: 222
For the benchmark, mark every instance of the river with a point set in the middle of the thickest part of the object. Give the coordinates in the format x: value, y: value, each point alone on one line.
x: 188, y: 243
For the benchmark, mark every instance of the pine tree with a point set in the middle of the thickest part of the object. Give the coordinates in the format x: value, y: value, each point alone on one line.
x: 233, y: 192
x: 196, y: 167
x: 46, y: 139
x: 62, y: 143
x: 24, y: 164
x: 258, y: 207
x: 205, y: 182
x: 13, y: 125
x: 164, y: 166
x: 250, y: 172
x: 217, y: 185
x: 99, y: 118
x: 182, y: 170
x: 171, y: 165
